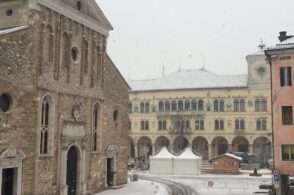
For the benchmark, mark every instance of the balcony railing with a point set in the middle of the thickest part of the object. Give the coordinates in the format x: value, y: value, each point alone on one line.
x: 181, y: 113
x: 184, y: 131
x: 240, y: 131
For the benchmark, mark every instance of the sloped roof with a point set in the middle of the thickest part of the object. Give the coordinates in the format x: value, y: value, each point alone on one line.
x: 190, y: 79
x: 229, y: 155
x: 163, y: 153
x: 188, y: 154
x: 13, y: 29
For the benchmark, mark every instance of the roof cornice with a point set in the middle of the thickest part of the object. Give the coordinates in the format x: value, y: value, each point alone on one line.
x: 72, y: 14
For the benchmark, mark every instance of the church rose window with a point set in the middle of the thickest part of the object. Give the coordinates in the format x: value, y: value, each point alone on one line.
x: 9, y: 12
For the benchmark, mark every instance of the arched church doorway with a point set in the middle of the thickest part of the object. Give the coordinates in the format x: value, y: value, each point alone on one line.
x: 72, y: 170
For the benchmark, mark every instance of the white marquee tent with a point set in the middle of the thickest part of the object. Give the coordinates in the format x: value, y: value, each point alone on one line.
x: 162, y: 162
x: 186, y: 163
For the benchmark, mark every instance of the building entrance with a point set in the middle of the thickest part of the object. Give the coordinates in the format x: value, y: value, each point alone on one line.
x: 72, y: 170
x: 7, y: 181
x: 110, y: 171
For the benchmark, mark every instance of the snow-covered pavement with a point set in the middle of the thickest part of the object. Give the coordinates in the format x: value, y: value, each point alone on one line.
x: 207, y: 184
x: 141, y: 187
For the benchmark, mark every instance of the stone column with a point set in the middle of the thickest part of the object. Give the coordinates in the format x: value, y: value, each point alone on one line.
x: 209, y: 151
x: 63, y: 171
x: 230, y: 148
x: 153, y: 149
x: 136, y: 149
x: 171, y: 147
x: 250, y: 148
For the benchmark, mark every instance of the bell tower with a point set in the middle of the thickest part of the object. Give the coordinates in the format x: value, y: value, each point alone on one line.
x: 13, y: 13
x: 258, y: 69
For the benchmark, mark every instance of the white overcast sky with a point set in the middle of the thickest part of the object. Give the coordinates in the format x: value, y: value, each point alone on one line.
x: 150, y: 34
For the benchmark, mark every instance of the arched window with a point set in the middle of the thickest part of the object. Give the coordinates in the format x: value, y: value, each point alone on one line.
x: 164, y: 125
x: 216, y: 125
x: 85, y: 56
x: 142, y: 106
x: 167, y: 106
x: 46, y: 124
x: 258, y: 124
x: 115, y: 118
x: 221, y: 125
x: 263, y: 124
x: 242, y: 105
x: 174, y: 106
x: 215, y: 105
x: 130, y: 108
x: 200, y: 105
x: 146, y: 125
x: 180, y: 105
x: 147, y: 106
x: 65, y: 50
x: 187, y: 105
x: 194, y: 105
x: 96, y: 113
x: 161, y: 106
x: 159, y: 125
x: 242, y: 124
x: 99, y: 62
x: 236, y: 105
x: 48, y: 44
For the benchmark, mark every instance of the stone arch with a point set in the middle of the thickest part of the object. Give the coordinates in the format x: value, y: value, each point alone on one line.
x: 262, y: 149
x: 131, y: 147
x: 219, y: 146
x: 161, y: 142
x: 200, y: 145
x: 180, y: 143
x: 240, y: 144
x: 144, y: 147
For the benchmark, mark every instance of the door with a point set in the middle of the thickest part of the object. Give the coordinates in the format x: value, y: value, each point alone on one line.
x: 110, y: 172
x: 72, y: 170
x: 7, y: 181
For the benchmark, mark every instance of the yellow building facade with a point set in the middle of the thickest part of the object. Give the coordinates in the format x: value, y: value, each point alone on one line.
x: 211, y: 113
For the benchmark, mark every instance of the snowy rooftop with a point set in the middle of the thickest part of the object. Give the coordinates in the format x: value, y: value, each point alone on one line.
x: 10, y: 30
x: 288, y: 43
x: 188, y: 154
x: 230, y: 155
x: 190, y: 79
x: 163, y: 153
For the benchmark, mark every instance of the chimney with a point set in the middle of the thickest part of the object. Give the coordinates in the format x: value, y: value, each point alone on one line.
x: 283, y: 36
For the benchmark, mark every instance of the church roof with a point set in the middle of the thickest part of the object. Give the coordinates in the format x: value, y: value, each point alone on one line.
x: 190, y: 79
x: 13, y: 29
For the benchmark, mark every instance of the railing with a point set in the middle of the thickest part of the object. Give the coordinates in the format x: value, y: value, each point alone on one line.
x: 181, y: 113
x: 181, y: 131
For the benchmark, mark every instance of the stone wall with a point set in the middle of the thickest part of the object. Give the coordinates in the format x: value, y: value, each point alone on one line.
x: 28, y: 76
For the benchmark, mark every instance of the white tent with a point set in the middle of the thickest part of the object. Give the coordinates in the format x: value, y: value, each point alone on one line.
x: 187, y: 163
x: 162, y: 162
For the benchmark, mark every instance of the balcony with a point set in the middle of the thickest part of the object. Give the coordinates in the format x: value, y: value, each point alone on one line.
x: 240, y: 132
x: 181, y: 114
x: 183, y: 131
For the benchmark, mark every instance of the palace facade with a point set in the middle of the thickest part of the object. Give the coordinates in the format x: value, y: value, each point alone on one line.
x: 63, y: 103
x: 211, y: 113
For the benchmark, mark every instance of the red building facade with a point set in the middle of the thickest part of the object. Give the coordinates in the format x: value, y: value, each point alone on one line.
x: 281, y: 59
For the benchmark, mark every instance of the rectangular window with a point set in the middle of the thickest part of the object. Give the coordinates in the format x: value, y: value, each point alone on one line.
x: 287, y: 115
x: 285, y: 76
x: 288, y: 152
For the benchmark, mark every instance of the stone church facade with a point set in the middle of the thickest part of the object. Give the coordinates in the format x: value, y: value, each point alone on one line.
x: 63, y: 103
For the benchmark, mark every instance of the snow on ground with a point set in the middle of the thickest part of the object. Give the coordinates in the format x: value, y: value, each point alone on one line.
x: 141, y: 187
x: 221, y: 184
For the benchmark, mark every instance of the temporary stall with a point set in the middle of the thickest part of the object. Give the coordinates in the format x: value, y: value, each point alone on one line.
x: 162, y: 162
x: 226, y: 164
x: 187, y: 163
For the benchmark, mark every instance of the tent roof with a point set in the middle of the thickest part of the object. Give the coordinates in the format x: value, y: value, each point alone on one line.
x: 188, y: 154
x: 163, y: 153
